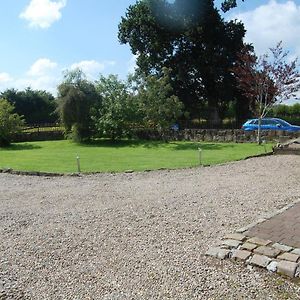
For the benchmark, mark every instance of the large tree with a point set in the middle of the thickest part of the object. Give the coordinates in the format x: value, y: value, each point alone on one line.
x: 191, y: 39
x: 76, y: 98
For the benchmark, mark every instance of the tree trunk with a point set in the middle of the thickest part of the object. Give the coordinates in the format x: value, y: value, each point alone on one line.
x: 259, y: 131
x: 214, y: 117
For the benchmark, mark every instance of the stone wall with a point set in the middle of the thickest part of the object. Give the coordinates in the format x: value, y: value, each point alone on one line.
x: 205, y: 135
x: 39, y: 136
x: 218, y: 135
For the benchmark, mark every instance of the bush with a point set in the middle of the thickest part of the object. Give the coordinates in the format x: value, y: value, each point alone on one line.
x: 10, y: 122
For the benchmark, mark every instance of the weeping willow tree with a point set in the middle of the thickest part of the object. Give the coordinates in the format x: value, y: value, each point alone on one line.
x: 76, y: 98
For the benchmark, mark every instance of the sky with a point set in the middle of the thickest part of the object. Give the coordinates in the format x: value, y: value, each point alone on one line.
x: 42, y: 38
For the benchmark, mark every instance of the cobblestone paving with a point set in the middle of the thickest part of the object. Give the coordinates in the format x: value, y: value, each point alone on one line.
x: 272, y: 243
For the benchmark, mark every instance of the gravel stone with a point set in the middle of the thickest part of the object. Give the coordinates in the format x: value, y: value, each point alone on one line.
x: 139, y: 235
x: 272, y: 266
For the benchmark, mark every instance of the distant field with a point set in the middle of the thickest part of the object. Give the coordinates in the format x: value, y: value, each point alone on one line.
x: 104, y: 156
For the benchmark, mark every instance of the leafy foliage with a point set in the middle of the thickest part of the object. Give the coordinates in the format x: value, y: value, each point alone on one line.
x: 229, y: 4
x: 267, y: 80
x: 76, y: 97
x: 191, y: 39
x: 159, y: 106
x: 37, y: 107
x: 113, y: 118
x: 10, y: 122
x: 290, y: 113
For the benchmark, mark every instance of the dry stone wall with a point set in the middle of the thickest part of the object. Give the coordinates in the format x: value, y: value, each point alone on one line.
x: 219, y: 135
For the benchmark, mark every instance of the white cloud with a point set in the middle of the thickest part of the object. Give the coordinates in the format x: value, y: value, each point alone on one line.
x: 270, y: 23
x: 48, y: 83
x: 42, y: 13
x: 5, y: 78
x: 92, y: 68
x: 41, y: 67
x: 45, y: 74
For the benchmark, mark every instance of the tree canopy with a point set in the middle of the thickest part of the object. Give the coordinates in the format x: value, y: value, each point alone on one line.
x: 229, y: 4
x: 267, y: 80
x: 37, y: 106
x: 192, y: 40
x: 76, y: 97
x: 10, y: 122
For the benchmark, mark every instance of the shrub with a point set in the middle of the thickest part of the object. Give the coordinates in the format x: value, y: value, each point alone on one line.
x: 10, y: 122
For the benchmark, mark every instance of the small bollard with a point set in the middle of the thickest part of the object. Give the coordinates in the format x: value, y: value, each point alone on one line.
x: 200, y: 156
x: 78, y: 163
x: 264, y: 143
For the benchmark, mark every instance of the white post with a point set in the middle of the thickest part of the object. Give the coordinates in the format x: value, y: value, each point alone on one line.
x: 200, y: 156
x: 78, y: 163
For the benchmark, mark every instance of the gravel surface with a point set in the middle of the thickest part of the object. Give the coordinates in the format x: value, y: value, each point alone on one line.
x: 140, y: 235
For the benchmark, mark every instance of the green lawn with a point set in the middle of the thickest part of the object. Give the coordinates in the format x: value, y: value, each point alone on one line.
x: 104, y: 156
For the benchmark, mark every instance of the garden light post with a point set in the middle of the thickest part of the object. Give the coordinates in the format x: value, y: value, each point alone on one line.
x: 78, y: 163
x: 200, y: 156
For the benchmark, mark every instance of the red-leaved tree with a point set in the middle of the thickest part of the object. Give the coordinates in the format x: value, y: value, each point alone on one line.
x: 267, y: 80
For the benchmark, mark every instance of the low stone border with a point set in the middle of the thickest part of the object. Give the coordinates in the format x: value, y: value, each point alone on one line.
x: 274, y: 257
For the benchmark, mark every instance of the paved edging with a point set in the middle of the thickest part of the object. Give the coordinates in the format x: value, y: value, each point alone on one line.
x: 273, y: 256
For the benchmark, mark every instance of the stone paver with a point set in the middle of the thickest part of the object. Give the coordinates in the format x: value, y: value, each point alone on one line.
x: 287, y: 268
x: 248, y: 246
x: 281, y: 247
x: 289, y: 256
x: 235, y: 236
x: 231, y: 243
x: 282, y: 228
x: 272, y: 243
x: 259, y: 241
x: 260, y: 260
x: 296, y: 251
x: 241, y: 255
x: 218, y: 252
x: 267, y: 251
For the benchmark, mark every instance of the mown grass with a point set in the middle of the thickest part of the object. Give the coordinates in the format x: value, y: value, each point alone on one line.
x: 105, y: 156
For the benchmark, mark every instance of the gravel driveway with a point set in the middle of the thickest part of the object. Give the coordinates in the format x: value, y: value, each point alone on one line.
x: 140, y: 235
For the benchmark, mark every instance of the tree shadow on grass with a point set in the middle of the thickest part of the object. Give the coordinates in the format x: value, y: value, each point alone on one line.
x: 172, y: 145
x: 18, y: 147
x: 194, y: 146
x: 123, y: 143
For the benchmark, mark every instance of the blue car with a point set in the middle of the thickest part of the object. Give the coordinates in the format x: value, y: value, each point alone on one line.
x: 270, y: 124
